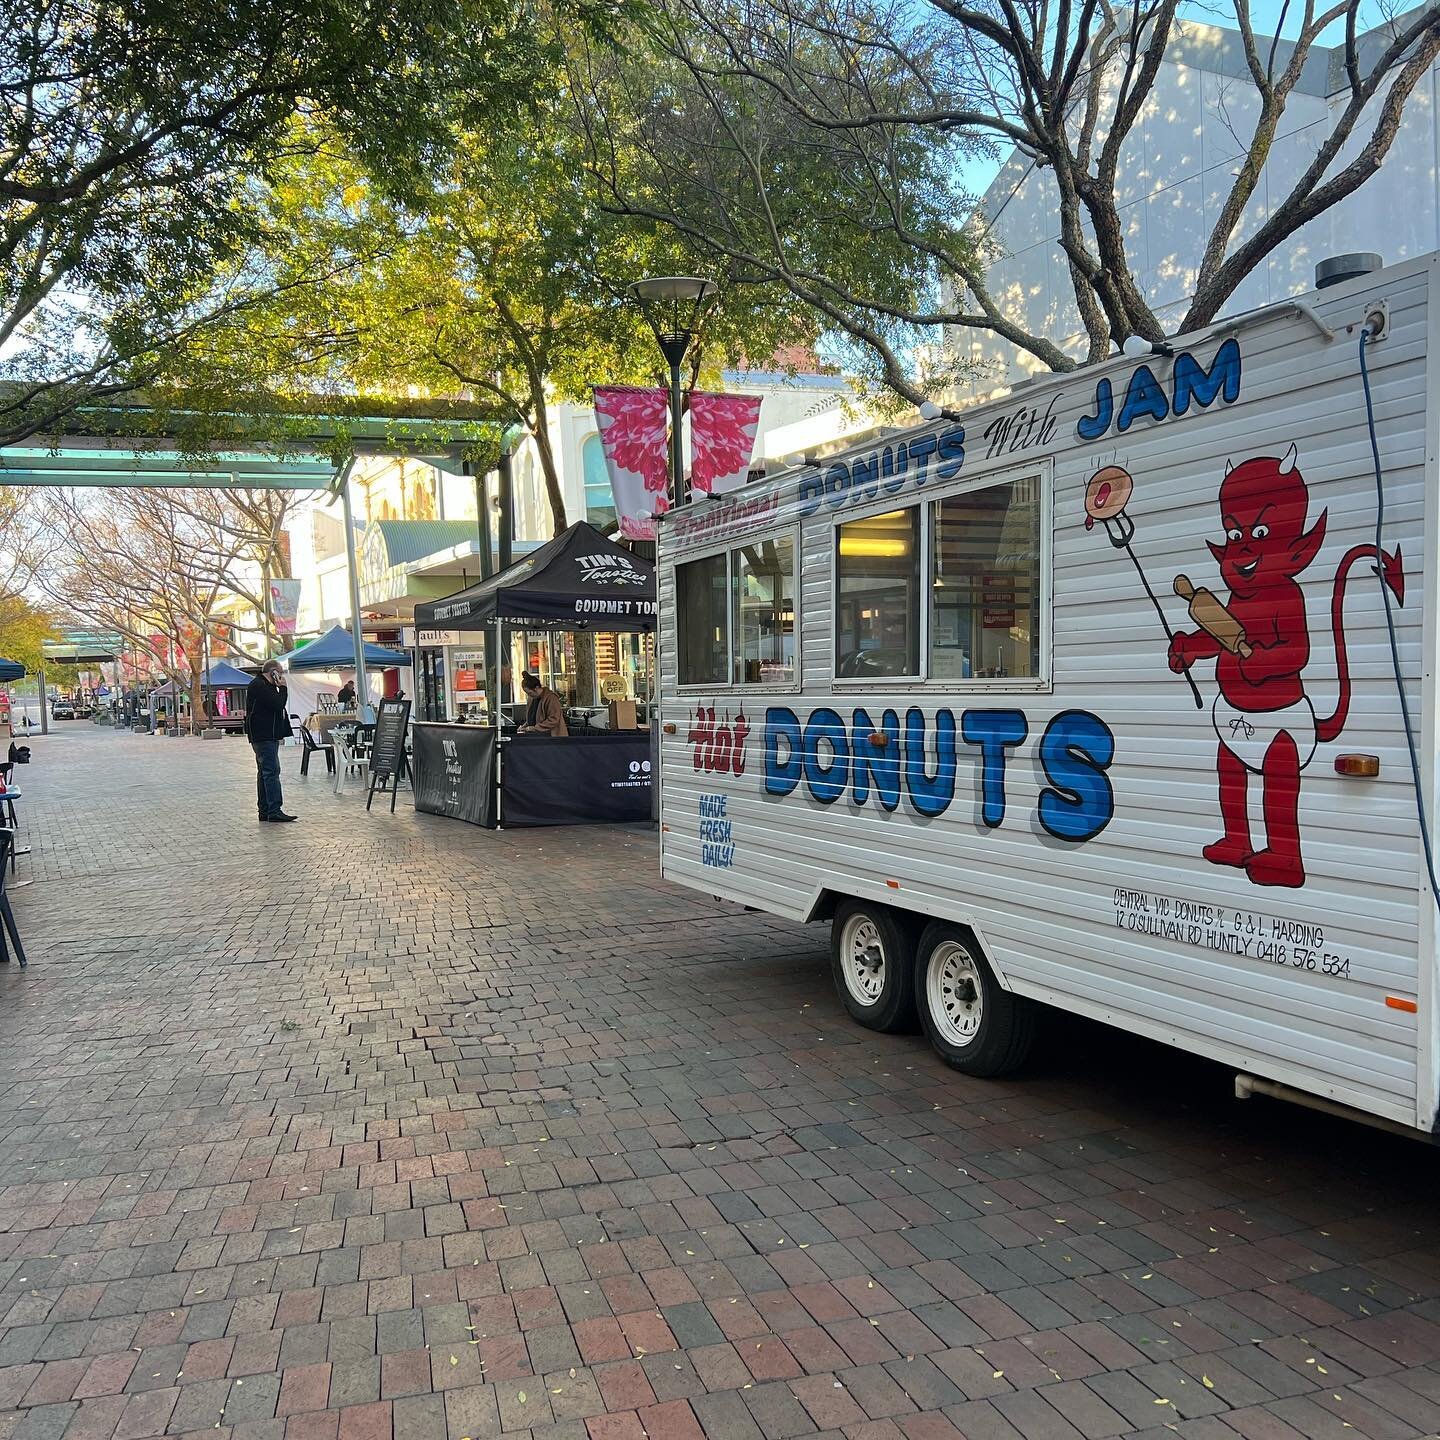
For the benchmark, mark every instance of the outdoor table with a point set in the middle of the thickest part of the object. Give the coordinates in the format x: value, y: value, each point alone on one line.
x: 320, y: 723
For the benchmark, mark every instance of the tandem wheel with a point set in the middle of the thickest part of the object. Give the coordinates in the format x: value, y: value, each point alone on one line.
x: 872, y: 955
x: 973, y: 1024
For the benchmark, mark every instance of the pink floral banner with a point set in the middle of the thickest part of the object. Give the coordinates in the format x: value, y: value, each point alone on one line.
x: 634, y: 426
x: 722, y: 439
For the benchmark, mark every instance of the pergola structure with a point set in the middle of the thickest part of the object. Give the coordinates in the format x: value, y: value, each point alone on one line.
x: 279, y: 446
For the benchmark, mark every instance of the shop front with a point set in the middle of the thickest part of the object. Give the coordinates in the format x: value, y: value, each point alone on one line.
x: 579, y: 614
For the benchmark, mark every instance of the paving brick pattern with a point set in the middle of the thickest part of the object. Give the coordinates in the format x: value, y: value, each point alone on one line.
x: 381, y: 1126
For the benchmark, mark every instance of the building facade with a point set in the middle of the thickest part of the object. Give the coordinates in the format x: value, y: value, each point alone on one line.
x: 1176, y: 170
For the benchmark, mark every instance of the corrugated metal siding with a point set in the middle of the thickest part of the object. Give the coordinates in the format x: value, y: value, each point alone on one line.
x: 1044, y: 907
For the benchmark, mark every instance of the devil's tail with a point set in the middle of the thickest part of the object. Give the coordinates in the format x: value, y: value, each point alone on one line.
x: 1394, y: 575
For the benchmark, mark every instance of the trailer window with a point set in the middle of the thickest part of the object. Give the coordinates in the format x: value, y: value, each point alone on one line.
x: 985, y: 595
x: 702, y: 594
x: 877, y: 596
x: 765, y: 612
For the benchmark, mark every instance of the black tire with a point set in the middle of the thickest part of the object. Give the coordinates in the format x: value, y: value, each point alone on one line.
x: 875, y: 987
x: 973, y: 1024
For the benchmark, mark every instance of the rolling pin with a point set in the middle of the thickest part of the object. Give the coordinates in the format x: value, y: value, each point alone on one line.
x: 1213, y: 618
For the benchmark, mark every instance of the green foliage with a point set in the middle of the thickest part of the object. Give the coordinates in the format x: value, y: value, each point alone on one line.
x: 506, y: 281
x: 750, y: 134
x: 138, y: 141
x: 23, y: 631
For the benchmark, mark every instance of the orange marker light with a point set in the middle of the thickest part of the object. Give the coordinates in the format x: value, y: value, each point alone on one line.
x: 1398, y: 1002
x: 893, y: 884
x: 1364, y: 766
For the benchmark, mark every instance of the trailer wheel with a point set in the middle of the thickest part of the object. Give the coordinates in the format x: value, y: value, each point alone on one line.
x: 973, y: 1024
x: 872, y: 955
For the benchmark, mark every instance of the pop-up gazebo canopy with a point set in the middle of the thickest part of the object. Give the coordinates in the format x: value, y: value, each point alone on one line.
x: 576, y: 580
x: 221, y: 675
x: 335, y: 650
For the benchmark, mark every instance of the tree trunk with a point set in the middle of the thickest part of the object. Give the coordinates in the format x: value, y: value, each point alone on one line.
x: 197, y: 698
x: 550, y: 470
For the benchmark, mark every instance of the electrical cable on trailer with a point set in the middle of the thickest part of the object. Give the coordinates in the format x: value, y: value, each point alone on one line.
x: 1365, y: 337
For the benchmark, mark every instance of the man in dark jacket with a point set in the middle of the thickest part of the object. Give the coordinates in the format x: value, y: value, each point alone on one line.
x: 267, y: 723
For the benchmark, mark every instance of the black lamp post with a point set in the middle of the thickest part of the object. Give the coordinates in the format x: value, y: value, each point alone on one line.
x: 671, y: 303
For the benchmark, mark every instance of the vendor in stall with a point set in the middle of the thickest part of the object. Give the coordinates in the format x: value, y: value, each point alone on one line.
x: 544, y: 714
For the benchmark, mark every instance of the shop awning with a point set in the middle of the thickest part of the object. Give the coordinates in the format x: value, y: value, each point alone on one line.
x: 577, y: 579
x: 335, y: 650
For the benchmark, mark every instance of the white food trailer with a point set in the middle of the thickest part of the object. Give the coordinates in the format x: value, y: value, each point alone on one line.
x: 1092, y: 696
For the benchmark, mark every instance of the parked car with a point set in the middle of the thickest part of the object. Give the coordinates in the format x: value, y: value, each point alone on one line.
x: 62, y: 710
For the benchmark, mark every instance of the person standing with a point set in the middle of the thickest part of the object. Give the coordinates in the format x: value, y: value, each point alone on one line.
x: 267, y: 723
x: 346, y: 696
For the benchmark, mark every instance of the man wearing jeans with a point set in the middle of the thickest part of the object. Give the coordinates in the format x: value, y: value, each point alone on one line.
x: 267, y: 723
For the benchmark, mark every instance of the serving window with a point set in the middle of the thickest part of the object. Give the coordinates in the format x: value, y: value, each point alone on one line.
x: 953, y: 591
x: 985, y: 591
x: 736, y: 613
x: 878, y: 564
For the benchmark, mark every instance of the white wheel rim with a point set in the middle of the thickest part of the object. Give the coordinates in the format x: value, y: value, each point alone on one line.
x: 954, y: 990
x: 862, y: 957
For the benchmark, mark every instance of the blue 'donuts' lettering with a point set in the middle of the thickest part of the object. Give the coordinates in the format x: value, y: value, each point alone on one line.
x: 917, y: 762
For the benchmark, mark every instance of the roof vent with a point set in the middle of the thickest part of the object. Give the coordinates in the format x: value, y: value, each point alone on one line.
x: 1339, y: 268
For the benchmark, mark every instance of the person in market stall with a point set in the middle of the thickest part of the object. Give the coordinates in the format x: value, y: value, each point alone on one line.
x: 347, y: 694
x: 544, y: 712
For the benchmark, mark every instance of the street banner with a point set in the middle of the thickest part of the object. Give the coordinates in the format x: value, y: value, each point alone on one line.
x: 634, y: 431
x: 284, y: 605
x: 722, y: 439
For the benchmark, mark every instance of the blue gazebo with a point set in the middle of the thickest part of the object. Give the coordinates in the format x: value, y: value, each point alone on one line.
x: 335, y: 650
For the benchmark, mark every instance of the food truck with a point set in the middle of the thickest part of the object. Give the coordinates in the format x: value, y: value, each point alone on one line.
x: 1114, y: 695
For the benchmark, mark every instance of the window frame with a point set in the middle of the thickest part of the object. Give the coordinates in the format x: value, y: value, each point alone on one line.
x: 873, y: 682
x: 1010, y: 473
x: 727, y: 548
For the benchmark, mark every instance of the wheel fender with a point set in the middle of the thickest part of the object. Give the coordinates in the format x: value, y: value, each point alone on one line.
x: 826, y: 899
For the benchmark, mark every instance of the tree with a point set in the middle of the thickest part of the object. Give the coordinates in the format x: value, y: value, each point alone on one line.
x: 865, y: 109
x: 137, y: 140
x: 138, y: 562
x: 24, y: 628
x: 507, y: 281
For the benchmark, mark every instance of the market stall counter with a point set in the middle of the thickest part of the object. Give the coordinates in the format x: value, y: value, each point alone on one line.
x: 578, y: 780
x: 580, y: 580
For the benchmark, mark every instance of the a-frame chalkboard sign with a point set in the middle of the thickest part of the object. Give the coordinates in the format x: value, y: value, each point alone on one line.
x: 387, y: 754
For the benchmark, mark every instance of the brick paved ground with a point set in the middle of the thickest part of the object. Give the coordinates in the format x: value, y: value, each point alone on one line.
x: 375, y: 1126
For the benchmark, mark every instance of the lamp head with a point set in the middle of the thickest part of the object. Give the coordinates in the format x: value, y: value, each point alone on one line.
x: 671, y: 303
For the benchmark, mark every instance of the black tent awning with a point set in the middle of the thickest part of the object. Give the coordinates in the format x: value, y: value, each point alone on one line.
x: 577, y: 579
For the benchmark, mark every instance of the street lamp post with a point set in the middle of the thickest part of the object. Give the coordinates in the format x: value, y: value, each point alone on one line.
x: 671, y: 303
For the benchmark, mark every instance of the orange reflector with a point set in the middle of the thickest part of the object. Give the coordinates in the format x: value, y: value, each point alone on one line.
x: 1367, y: 766
x: 668, y: 727
x: 1397, y: 1002
x: 664, y: 829
x: 893, y: 884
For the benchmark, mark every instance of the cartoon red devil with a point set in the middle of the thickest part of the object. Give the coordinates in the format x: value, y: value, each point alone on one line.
x: 1260, y: 642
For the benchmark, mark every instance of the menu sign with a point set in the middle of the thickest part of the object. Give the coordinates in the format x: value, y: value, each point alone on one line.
x: 387, y: 754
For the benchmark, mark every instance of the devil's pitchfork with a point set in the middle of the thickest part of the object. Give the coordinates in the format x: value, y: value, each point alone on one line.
x: 1106, y: 497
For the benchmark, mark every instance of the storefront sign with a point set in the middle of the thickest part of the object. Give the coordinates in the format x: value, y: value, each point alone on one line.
x: 612, y: 687
x: 433, y: 639
x: 466, y: 680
